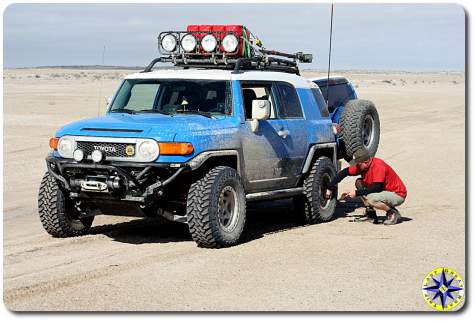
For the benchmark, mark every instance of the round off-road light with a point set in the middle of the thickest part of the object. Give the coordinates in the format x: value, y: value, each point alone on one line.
x: 168, y: 43
x: 78, y: 155
x: 188, y: 43
x: 209, y: 43
x: 97, y: 156
x: 230, y: 43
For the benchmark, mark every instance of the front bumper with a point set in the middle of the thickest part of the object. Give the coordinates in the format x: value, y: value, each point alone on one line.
x: 124, y: 181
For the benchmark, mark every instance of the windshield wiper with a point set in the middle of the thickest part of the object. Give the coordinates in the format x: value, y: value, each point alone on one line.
x: 197, y: 112
x: 123, y: 110
x: 154, y: 111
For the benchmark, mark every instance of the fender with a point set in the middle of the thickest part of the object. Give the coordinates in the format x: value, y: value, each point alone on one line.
x: 311, y: 152
x: 199, y: 159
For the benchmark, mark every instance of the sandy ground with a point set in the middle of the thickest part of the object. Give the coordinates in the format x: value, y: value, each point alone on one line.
x: 132, y: 264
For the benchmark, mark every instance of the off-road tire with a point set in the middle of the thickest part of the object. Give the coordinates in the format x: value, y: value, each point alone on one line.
x: 56, y: 211
x: 352, y: 122
x: 309, y: 206
x: 202, y: 208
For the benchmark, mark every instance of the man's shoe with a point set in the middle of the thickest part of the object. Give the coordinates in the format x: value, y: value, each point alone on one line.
x: 369, y: 215
x: 392, y: 217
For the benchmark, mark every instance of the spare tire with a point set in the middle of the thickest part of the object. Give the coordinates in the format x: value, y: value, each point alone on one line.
x: 359, y: 123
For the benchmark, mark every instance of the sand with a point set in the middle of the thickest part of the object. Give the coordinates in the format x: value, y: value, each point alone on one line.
x: 133, y: 264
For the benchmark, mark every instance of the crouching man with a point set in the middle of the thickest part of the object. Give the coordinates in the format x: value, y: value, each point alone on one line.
x: 379, y: 186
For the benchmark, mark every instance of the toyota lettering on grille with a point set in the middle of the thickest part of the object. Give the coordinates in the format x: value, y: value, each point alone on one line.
x: 107, y: 149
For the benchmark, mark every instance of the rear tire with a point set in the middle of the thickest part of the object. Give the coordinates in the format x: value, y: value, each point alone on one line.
x: 57, y: 214
x: 360, y: 127
x: 216, y: 208
x: 313, y: 207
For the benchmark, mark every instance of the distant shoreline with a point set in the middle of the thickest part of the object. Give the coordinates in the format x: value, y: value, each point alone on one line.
x: 376, y: 71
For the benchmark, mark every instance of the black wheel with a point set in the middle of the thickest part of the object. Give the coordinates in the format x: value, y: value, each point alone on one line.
x: 216, y: 208
x: 359, y: 127
x: 313, y: 207
x: 57, y: 214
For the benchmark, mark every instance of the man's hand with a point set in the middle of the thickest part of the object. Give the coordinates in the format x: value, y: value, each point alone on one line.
x: 328, y: 194
x: 348, y: 194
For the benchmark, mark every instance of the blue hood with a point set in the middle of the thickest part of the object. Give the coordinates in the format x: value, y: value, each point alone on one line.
x: 156, y: 126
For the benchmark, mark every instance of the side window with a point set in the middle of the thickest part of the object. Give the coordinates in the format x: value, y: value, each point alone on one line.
x: 251, y: 92
x: 142, y: 96
x: 289, y: 104
x: 322, y: 105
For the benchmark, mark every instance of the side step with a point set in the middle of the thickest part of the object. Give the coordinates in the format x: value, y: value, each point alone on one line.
x: 281, y: 193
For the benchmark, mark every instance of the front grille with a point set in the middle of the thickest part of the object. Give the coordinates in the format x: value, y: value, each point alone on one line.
x: 109, y: 149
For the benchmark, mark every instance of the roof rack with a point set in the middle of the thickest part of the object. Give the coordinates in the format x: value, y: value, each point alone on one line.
x: 262, y: 63
x: 245, y: 53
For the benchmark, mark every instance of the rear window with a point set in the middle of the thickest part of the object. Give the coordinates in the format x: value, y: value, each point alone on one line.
x: 322, y: 105
x: 289, y: 106
x: 338, y: 95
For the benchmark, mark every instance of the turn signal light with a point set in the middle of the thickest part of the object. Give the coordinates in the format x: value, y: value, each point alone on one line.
x: 175, y: 148
x: 53, y: 142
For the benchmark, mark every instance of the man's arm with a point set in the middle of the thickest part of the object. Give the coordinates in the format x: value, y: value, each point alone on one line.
x: 339, y: 177
x: 374, y: 188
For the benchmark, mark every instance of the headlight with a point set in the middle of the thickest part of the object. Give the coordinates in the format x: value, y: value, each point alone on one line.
x: 169, y: 43
x: 230, y: 43
x: 66, y: 147
x: 209, y: 43
x: 148, y: 150
x: 188, y: 43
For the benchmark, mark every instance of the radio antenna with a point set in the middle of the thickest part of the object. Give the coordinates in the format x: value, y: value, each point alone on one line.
x: 100, y: 84
x: 330, y: 52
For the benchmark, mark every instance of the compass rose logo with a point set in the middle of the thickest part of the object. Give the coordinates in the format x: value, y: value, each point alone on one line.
x: 443, y: 289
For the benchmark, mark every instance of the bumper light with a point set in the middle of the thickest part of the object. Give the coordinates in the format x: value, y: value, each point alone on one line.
x: 78, y: 155
x: 97, y: 156
x: 176, y: 148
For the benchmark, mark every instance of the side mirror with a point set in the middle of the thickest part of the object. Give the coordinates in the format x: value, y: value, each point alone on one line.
x: 260, y: 111
x: 108, y: 100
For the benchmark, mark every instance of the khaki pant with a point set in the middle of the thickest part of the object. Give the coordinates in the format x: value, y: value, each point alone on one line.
x: 391, y: 199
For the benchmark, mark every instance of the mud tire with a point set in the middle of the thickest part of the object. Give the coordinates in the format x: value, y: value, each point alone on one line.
x: 356, y: 114
x: 312, y: 207
x: 203, y: 211
x: 56, y: 211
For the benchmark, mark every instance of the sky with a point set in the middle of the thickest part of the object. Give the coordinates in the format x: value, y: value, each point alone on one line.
x: 406, y: 37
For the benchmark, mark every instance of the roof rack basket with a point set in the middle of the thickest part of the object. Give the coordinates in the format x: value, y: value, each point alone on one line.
x: 249, y: 54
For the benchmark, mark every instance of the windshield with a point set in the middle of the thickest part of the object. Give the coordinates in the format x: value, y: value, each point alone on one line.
x: 207, y: 97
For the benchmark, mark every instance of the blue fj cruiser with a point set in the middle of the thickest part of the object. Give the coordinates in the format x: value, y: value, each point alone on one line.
x: 196, y: 142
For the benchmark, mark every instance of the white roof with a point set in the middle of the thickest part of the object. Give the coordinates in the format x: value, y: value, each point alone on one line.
x: 217, y: 74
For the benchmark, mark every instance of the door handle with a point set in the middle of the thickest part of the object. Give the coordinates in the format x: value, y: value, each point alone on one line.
x: 283, y: 133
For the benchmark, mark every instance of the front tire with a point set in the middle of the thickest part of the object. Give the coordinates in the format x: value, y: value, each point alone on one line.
x: 57, y: 215
x: 313, y: 207
x: 216, y: 208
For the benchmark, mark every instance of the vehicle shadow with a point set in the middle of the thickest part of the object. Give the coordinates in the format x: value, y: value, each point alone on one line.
x: 144, y: 230
x: 263, y: 218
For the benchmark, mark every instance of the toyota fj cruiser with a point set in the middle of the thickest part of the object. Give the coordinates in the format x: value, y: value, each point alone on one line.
x: 230, y: 123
